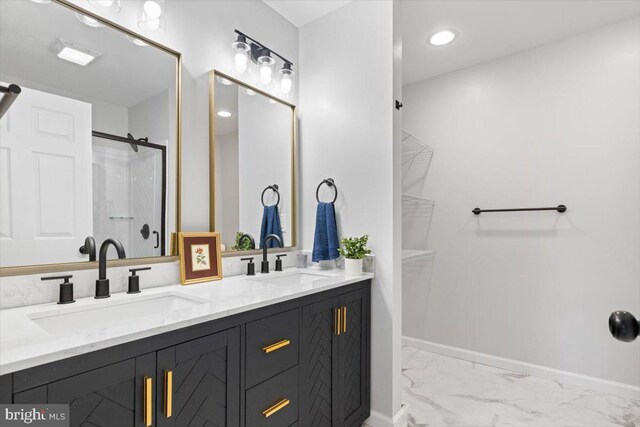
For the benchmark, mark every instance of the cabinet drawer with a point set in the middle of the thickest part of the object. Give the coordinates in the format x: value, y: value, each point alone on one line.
x: 279, y: 395
x: 263, y: 362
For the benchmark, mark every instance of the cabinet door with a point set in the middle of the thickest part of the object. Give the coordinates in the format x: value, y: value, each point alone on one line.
x: 111, y: 396
x: 204, y: 384
x: 353, y: 360
x: 318, y: 353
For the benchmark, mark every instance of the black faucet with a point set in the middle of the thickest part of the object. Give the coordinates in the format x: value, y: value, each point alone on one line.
x: 265, y: 262
x: 89, y: 248
x: 244, y: 236
x: 102, y: 284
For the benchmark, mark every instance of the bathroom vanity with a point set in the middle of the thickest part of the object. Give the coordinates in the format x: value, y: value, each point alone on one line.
x: 283, y: 349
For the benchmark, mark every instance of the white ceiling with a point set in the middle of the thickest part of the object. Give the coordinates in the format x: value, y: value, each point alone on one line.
x: 124, y: 75
x: 490, y: 29
x: 301, y: 12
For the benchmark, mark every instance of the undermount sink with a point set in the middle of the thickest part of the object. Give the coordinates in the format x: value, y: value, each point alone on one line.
x: 292, y: 279
x: 107, y: 313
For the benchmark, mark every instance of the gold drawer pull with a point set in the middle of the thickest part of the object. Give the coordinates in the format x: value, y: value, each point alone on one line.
x: 148, y: 394
x: 275, y: 408
x: 338, y: 328
x: 168, y: 393
x: 276, y: 346
x: 344, y: 318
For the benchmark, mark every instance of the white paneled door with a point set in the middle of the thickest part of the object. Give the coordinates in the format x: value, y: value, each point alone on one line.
x: 45, y: 179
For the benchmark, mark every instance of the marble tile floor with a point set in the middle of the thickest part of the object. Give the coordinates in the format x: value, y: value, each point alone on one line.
x: 444, y: 391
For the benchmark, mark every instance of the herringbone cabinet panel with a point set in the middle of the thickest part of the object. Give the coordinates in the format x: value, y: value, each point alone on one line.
x: 200, y: 383
x: 316, y: 365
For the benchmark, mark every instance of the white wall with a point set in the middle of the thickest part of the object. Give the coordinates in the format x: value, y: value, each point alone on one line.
x: 556, y: 124
x: 264, y: 154
x: 203, y: 31
x: 227, y: 211
x: 346, y: 133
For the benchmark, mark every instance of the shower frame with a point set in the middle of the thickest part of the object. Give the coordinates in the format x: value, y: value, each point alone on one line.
x: 163, y: 151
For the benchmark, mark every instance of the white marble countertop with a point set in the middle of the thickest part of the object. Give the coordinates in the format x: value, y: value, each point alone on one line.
x: 25, y: 344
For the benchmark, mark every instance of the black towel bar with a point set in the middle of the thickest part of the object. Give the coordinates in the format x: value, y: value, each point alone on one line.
x: 273, y: 187
x: 331, y: 183
x: 559, y: 208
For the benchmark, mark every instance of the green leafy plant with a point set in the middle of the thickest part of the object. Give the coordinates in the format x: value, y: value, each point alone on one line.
x: 354, y: 247
x: 246, y: 243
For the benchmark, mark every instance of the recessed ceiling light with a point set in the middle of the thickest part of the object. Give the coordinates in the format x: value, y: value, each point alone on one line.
x: 87, y: 20
x: 136, y: 41
x: 74, y: 52
x: 224, y: 81
x: 442, y: 37
x: 224, y: 113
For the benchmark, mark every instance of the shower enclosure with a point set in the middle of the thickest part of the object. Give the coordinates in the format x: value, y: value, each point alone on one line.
x: 129, y: 193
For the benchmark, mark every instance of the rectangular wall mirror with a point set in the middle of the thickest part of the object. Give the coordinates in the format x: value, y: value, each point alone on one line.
x: 90, y: 147
x: 253, y: 165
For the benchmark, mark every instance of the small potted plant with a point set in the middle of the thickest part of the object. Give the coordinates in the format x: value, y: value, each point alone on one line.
x: 354, y: 249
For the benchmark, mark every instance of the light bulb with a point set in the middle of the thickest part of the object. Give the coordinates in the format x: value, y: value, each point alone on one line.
x: 241, y: 62
x: 152, y: 8
x: 285, y: 84
x: 152, y: 23
x: 265, y: 74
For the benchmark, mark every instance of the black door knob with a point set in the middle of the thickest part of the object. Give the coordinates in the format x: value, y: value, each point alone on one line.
x: 623, y: 326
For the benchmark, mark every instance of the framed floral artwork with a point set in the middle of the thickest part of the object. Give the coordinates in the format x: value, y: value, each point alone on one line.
x: 200, y: 257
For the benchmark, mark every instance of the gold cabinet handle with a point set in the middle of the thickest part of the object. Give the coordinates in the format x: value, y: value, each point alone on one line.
x: 344, y: 318
x: 168, y: 393
x: 275, y: 408
x: 148, y: 401
x: 338, y: 311
x: 276, y: 346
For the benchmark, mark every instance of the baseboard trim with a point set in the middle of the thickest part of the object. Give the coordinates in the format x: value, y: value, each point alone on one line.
x: 400, y: 418
x: 627, y: 391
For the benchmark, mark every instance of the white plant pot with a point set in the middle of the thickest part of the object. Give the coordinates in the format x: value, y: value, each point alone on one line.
x: 352, y: 267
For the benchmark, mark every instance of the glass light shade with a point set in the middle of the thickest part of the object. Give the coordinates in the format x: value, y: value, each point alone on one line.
x: 152, y: 8
x: 153, y: 16
x: 240, y: 56
x: 286, y: 83
x: 265, y: 62
x: 112, y: 6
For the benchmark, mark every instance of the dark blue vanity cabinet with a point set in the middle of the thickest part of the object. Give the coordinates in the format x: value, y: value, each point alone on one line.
x: 304, y: 362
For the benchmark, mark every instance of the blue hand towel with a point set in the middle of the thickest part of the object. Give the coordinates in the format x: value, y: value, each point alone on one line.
x: 325, y: 242
x: 270, y: 225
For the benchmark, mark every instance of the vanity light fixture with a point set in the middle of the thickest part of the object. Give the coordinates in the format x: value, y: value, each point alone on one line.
x: 442, y: 37
x: 112, y: 6
x: 285, y: 82
x: 87, y: 20
x: 246, y: 48
x: 224, y: 113
x: 74, y: 52
x: 136, y: 41
x: 153, y: 15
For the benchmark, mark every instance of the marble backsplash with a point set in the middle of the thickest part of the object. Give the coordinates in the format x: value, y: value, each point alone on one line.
x: 19, y: 291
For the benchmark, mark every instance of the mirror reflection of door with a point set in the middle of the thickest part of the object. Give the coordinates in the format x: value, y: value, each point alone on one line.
x: 45, y: 167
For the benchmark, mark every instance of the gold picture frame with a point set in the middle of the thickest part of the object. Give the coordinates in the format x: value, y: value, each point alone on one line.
x: 200, y: 257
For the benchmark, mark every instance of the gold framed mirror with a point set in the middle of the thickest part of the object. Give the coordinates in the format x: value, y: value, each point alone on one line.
x: 91, y: 147
x: 252, y: 166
